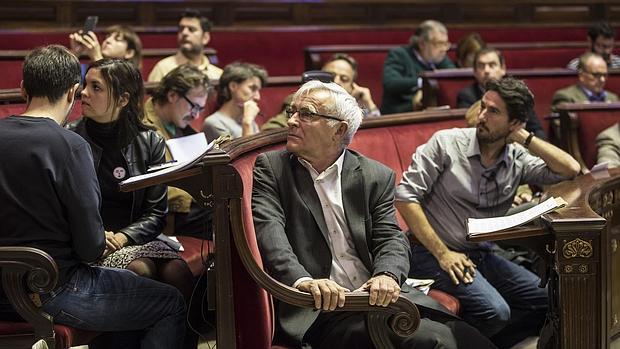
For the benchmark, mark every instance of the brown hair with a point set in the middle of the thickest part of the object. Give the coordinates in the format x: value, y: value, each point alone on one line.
x: 132, y: 39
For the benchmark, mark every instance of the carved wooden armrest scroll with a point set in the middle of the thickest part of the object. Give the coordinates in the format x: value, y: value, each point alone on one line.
x: 401, y: 317
x: 27, y: 270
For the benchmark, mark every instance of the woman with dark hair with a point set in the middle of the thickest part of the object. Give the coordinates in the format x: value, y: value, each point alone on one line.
x: 238, y: 93
x: 122, y: 146
x: 120, y: 42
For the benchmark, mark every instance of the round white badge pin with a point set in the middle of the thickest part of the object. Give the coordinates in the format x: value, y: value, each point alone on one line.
x: 119, y: 173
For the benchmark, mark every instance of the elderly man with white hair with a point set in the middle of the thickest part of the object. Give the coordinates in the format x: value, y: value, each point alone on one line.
x: 325, y: 222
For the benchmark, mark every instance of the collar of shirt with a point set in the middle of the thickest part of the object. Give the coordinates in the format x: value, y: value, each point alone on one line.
x: 171, y: 128
x: 473, y: 149
x: 335, y: 167
x: 428, y: 65
x: 594, y: 97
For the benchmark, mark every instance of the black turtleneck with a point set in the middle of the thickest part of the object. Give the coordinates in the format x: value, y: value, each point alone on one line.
x: 111, y: 170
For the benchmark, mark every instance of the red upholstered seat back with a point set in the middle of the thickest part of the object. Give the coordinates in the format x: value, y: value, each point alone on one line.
x: 591, y: 123
x: 408, y: 138
x: 254, y: 316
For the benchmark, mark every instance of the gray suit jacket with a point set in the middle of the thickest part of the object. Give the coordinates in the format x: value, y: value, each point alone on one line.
x: 292, y: 234
x: 608, y: 146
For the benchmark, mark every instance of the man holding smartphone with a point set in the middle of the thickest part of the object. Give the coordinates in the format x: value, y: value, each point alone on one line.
x: 193, y: 35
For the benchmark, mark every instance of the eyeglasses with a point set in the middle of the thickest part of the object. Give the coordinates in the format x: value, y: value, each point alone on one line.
x: 596, y: 75
x: 196, y: 108
x: 306, y: 115
x: 441, y: 44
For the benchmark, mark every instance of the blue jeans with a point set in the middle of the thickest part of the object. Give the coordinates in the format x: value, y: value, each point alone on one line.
x: 114, y: 300
x: 502, y: 295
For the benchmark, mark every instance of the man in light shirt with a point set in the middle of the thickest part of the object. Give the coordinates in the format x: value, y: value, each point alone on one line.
x: 299, y: 199
x: 475, y: 172
x: 193, y: 35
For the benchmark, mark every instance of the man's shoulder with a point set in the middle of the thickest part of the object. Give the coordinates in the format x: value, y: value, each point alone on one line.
x: 47, y: 131
x: 611, y: 132
x: 567, y: 91
x: 610, y: 96
x: 167, y: 61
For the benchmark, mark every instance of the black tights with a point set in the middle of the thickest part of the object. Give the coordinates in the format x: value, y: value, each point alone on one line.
x: 174, y: 272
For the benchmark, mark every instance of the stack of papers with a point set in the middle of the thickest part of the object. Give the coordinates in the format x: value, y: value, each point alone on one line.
x: 477, y: 226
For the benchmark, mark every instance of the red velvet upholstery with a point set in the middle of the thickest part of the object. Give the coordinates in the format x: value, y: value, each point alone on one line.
x: 408, y: 138
x: 542, y: 82
x: 591, y: 123
x: 253, y: 306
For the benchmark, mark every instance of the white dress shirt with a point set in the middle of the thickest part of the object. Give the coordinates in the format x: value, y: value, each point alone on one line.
x: 347, y: 268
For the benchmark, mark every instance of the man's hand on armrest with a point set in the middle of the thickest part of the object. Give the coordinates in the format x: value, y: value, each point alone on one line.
x: 327, y: 294
x: 383, y: 290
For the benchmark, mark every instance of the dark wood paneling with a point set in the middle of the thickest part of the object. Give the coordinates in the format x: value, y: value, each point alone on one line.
x: 66, y: 13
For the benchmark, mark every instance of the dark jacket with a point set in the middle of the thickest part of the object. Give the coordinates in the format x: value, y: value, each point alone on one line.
x: 400, y: 79
x: 292, y: 234
x: 149, y: 205
x: 469, y: 95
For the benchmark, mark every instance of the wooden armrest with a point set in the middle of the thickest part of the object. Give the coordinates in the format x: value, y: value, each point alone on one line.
x: 401, y: 317
x: 28, y: 270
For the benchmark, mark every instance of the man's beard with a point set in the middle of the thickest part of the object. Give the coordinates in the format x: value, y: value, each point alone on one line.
x: 192, y: 51
x: 488, y: 137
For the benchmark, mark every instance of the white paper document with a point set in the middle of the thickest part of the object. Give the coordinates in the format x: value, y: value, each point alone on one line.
x: 188, y: 147
x: 198, y: 150
x: 476, y: 226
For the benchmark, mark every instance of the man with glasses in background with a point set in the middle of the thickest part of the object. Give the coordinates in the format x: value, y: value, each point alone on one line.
x: 299, y: 199
x: 592, y: 75
x: 179, y: 99
x: 601, y: 39
x: 402, y: 86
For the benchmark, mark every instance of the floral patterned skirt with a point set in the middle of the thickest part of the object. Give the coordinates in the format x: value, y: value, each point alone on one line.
x: 154, y: 249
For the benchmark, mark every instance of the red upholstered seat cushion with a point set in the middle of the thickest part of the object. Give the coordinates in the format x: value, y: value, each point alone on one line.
x: 448, y: 301
x: 65, y: 336
x: 196, y: 252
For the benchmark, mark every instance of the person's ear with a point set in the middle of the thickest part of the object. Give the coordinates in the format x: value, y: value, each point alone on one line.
x: 206, y: 37
x: 341, y: 130
x: 22, y: 91
x: 172, y: 96
x: 72, y: 95
x: 130, y: 54
x: 123, y: 100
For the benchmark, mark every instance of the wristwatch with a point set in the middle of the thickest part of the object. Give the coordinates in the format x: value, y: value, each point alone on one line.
x: 528, y: 140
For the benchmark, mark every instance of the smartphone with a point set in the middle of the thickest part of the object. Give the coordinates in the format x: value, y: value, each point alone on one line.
x: 320, y: 75
x: 89, y: 24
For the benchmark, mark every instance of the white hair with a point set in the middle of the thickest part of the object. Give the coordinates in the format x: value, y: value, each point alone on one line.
x: 340, y: 104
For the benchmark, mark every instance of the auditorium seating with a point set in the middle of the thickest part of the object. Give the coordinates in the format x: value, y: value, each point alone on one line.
x: 390, y: 140
x: 442, y: 86
x: 11, y: 63
x: 27, y: 271
x: 580, y: 123
x: 244, y: 308
x: 518, y: 55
